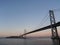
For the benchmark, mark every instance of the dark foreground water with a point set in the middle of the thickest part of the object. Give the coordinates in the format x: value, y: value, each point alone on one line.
x: 33, y: 41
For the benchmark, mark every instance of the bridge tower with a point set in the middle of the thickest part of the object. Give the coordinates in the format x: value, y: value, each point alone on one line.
x: 55, y: 36
x: 25, y: 41
x: 24, y: 33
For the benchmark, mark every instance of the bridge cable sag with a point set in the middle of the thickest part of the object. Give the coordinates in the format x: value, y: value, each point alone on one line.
x: 42, y: 22
x: 56, y: 10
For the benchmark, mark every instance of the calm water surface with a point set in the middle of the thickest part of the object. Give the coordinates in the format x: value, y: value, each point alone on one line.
x: 35, y: 41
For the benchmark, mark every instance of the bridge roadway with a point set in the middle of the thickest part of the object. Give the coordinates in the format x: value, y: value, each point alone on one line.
x: 44, y: 28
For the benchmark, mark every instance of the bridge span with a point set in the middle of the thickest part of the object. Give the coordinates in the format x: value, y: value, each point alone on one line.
x: 43, y: 28
x: 53, y: 25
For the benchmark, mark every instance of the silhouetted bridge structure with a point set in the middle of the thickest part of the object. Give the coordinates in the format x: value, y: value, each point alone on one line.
x: 44, y: 28
x: 53, y: 26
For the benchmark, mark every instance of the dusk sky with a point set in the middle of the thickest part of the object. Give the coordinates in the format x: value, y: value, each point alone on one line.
x: 17, y: 15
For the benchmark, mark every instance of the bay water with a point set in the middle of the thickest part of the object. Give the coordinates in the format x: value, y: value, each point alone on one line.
x: 30, y: 41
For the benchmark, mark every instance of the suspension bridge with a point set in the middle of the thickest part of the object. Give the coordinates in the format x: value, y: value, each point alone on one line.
x: 53, y: 26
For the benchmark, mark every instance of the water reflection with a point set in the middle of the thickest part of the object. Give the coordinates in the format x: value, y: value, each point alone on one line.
x: 35, y: 41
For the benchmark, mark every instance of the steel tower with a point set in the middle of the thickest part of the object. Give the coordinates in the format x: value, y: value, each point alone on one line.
x: 55, y: 36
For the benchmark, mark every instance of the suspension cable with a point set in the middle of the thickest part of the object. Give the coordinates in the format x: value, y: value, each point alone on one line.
x: 56, y: 9
x: 43, y: 21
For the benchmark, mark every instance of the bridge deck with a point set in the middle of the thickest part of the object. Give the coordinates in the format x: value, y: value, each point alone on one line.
x: 44, y: 28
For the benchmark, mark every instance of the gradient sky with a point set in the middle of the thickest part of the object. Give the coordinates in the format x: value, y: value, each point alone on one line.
x: 17, y: 15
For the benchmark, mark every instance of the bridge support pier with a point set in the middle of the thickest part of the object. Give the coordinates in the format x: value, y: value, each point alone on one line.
x: 56, y: 41
x: 59, y: 41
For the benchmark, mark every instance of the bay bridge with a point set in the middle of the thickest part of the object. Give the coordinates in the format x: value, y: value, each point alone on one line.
x: 53, y: 26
